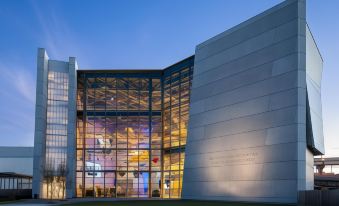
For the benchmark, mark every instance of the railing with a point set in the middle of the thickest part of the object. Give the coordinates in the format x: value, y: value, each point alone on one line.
x: 318, y: 198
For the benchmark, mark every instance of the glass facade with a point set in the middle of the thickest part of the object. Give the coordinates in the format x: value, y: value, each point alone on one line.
x: 175, y: 119
x: 54, y: 173
x: 131, y: 132
x: 13, y: 181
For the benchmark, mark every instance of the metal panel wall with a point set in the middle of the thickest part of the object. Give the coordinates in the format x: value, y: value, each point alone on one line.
x: 247, y: 127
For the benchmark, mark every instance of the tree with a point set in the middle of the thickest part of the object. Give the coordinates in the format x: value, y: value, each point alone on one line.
x: 62, y: 173
x: 48, y: 174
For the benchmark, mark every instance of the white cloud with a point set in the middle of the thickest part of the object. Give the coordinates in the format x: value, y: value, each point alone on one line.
x: 20, y: 80
x: 17, y: 94
x: 25, y: 86
x: 56, y: 35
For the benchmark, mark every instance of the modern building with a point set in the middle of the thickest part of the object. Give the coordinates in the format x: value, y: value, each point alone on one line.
x: 326, y: 173
x: 16, y: 170
x: 243, y: 114
x: 16, y: 160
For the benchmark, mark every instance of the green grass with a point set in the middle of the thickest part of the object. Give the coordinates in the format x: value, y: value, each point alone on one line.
x: 166, y: 203
x: 8, y: 201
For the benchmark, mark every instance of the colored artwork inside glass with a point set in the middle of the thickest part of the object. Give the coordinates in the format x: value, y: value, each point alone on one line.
x: 130, y: 136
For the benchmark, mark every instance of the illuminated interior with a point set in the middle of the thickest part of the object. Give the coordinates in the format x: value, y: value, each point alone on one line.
x: 131, y: 132
x: 175, y: 120
x: 54, y: 171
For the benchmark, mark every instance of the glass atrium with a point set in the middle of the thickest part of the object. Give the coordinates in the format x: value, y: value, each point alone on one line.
x: 131, y: 131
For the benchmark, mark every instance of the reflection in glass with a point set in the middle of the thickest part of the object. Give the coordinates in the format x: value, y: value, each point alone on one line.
x: 54, y: 171
x: 175, y: 121
x: 131, y: 134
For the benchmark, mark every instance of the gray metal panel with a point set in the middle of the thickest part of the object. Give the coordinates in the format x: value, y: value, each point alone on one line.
x: 262, y: 22
x: 272, y: 54
x: 314, y: 68
x: 247, y: 126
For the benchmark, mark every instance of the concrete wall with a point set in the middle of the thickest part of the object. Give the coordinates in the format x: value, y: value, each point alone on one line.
x: 16, y: 159
x: 71, y: 129
x: 247, y: 127
x: 40, y: 121
x: 44, y: 66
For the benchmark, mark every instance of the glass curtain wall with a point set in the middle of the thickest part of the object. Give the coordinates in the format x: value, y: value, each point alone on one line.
x: 131, y: 132
x: 177, y: 84
x: 119, y: 135
x: 54, y: 185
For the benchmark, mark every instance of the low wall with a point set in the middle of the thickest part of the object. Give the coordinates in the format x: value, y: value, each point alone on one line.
x: 15, y: 194
x: 318, y: 198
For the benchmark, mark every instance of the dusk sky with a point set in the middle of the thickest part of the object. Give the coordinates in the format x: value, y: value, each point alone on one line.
x: 134, y: 34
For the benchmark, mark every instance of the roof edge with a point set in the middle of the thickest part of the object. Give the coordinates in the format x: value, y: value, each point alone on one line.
x: 246, y: 22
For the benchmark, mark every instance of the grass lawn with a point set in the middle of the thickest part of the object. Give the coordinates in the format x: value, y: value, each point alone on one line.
x: 3, y: 202
x: 166, y: 203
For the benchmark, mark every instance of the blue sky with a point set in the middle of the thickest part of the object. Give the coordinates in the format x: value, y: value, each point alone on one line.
x: 125, y: 34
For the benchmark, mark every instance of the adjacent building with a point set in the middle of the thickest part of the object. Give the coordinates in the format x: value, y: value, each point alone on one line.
x: 16, y: 170
x: 240, y: 120
x: 16, y: 160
